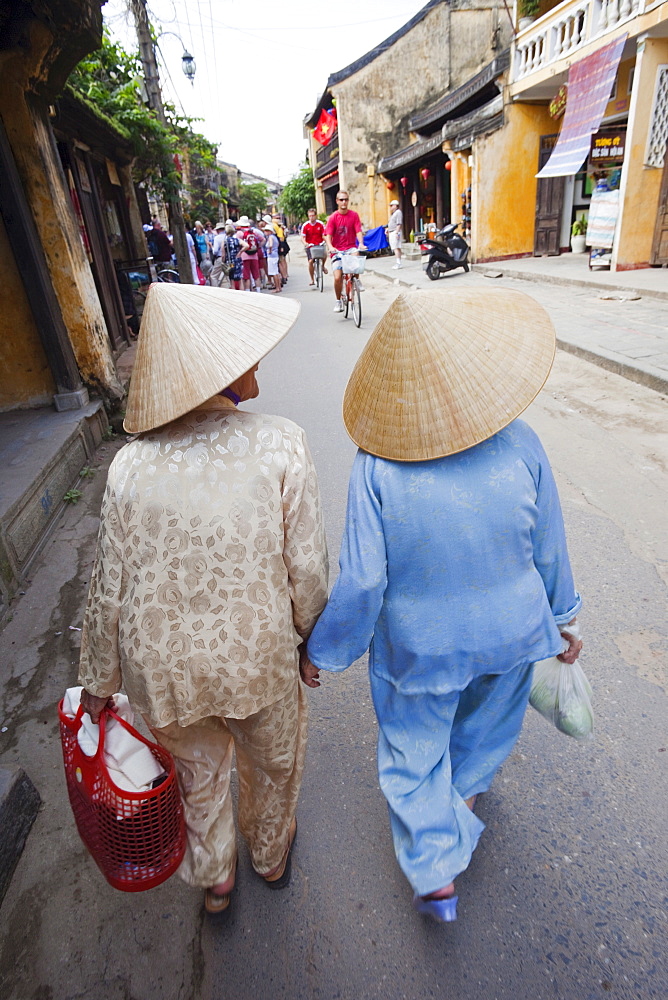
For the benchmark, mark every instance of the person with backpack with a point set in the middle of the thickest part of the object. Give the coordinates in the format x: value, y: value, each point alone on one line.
x: 256, y: 227
x: 283, y: 247
x: 250, y: 269
x: 231, y: 256
x: 271, y: 250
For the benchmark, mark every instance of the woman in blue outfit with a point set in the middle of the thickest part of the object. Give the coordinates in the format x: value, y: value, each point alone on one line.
x: 454, y: 568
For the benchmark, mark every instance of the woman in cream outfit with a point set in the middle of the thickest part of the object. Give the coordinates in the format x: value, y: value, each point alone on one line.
x: 211, y: 570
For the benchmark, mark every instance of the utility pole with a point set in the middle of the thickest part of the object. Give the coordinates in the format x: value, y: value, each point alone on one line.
x: 152, y: 80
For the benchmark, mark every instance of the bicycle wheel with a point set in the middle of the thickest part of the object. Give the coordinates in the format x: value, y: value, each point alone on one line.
x: 168, y: 275
x: 356, y: 302
x: 345, y: 296
x: 320, y: 278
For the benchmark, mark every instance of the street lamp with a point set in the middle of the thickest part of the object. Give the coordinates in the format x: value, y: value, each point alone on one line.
x: 188, y: 64
x: 187, y: 61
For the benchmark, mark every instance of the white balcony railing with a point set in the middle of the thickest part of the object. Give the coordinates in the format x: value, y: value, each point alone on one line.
x: 566, y: 28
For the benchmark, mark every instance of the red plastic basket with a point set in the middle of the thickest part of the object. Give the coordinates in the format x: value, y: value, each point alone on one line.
x: 137, y: 839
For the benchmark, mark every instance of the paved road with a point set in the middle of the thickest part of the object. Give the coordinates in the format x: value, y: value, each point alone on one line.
x: 565, y: 898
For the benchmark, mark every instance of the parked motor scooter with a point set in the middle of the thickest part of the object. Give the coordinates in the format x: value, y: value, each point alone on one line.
x: 446, y: 250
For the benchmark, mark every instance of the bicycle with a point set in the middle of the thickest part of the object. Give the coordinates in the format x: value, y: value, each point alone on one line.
x: 351, y: 293
x: 167, y: 273
x: 140, y: 275
x: 318, y: 256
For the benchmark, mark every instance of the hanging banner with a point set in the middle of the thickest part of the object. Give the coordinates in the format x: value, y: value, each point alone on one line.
x: 589, y: 87
x: 603, y: 212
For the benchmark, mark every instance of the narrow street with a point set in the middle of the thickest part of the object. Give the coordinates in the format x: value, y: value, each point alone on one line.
x: 565, y: 897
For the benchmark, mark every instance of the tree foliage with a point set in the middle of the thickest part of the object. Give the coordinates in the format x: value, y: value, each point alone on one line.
x: 110, y: 79
x: 253, y: 198
x: 298, y: 195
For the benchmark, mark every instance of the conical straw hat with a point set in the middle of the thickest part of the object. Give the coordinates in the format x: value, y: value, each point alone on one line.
x: 193, y: 342
x: 443, y: 371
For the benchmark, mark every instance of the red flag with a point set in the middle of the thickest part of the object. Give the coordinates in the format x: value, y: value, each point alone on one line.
x: 325, y: 128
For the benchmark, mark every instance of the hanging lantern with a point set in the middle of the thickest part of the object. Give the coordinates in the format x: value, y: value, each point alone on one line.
x: 390, y: 185
x: 404, y: 182
x: 425, y: 173
x: 188, y: 64
x: 448, y: 164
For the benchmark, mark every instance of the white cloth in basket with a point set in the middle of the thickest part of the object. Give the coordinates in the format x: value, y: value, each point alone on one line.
x: 131, y: 765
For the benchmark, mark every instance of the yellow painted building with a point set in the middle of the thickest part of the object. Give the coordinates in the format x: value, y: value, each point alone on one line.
x: 516, y: 214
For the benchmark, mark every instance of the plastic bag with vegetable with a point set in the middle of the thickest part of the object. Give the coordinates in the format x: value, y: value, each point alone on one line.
x: 562, y: 694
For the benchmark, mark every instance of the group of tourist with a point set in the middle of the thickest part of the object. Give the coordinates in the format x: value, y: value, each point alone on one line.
x: 248, y: 254
x: 251, y: 254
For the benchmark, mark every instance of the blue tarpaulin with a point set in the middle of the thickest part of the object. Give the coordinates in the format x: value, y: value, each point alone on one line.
x: 375, y: 239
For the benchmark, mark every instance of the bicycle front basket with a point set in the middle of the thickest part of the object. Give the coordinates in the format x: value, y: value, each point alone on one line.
x: 352, y: 264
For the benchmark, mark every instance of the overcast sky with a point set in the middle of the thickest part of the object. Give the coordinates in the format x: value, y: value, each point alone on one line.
x: 261, y: 65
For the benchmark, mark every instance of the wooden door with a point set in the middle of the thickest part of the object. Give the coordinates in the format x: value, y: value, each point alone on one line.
x: 549, y: 205
x: 102, y: 264
x: 660, y: 242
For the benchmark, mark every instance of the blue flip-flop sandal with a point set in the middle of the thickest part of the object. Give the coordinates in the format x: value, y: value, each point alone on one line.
x: 442, y: 910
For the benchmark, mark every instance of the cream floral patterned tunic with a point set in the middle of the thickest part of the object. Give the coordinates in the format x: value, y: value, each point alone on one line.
x: 211, y: 567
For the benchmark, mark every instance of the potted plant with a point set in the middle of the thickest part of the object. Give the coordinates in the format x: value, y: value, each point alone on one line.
x: 578, y: 237
x: 527, y: 11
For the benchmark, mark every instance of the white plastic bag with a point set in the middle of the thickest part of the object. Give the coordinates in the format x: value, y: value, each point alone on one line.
x: 352, y: 264
x: 562, y: 694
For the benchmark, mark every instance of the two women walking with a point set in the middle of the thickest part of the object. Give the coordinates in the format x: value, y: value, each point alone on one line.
x: 211, y: 569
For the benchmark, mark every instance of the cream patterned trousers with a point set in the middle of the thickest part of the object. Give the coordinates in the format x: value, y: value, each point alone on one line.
x: 270, y: 749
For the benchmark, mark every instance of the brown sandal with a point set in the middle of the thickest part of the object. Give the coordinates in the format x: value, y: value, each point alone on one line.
x: 215, y: 902
x: 280, y: 877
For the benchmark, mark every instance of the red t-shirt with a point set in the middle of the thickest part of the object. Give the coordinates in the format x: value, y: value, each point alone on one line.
x: 343, y: 228
x: 313, y: 232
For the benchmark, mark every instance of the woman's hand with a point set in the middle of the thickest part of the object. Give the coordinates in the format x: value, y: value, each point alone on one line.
x: 571, y: 654
x: 308, y: 671
x: 94, y: 705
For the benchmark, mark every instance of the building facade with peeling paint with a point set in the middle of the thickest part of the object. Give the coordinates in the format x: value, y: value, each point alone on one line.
x: 62, y: 319
x: 379, y: 100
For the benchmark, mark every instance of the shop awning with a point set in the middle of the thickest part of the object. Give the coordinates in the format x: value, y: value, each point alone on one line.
x: 410, y: 154
x: 477, y: 91
x: 461, y: 132
x: 590, y: 83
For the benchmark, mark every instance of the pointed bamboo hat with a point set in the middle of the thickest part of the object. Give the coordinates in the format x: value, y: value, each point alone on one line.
x: 195, y: 341
x: 443, y: 371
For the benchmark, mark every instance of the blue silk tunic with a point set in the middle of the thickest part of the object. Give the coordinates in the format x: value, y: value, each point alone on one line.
x: 451, y: 568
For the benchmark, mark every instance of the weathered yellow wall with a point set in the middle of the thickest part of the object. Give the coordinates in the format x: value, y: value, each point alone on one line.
x: 460, y: 179
x: 26, y: 377
x: 374, y: 105
x: 136, y: 235
x: 504, y: 183
x: 622, y: 99
x: 41, y: 174
x: 640, y: 187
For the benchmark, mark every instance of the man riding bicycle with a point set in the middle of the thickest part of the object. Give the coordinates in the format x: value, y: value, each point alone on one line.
x: 313, y: 235
x: 343, y: 233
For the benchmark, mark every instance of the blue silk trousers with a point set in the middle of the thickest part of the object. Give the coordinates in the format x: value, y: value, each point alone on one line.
x: 435, y: 751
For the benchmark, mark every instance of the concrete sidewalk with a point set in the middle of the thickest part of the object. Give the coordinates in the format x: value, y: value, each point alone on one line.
x: 617, y: 320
